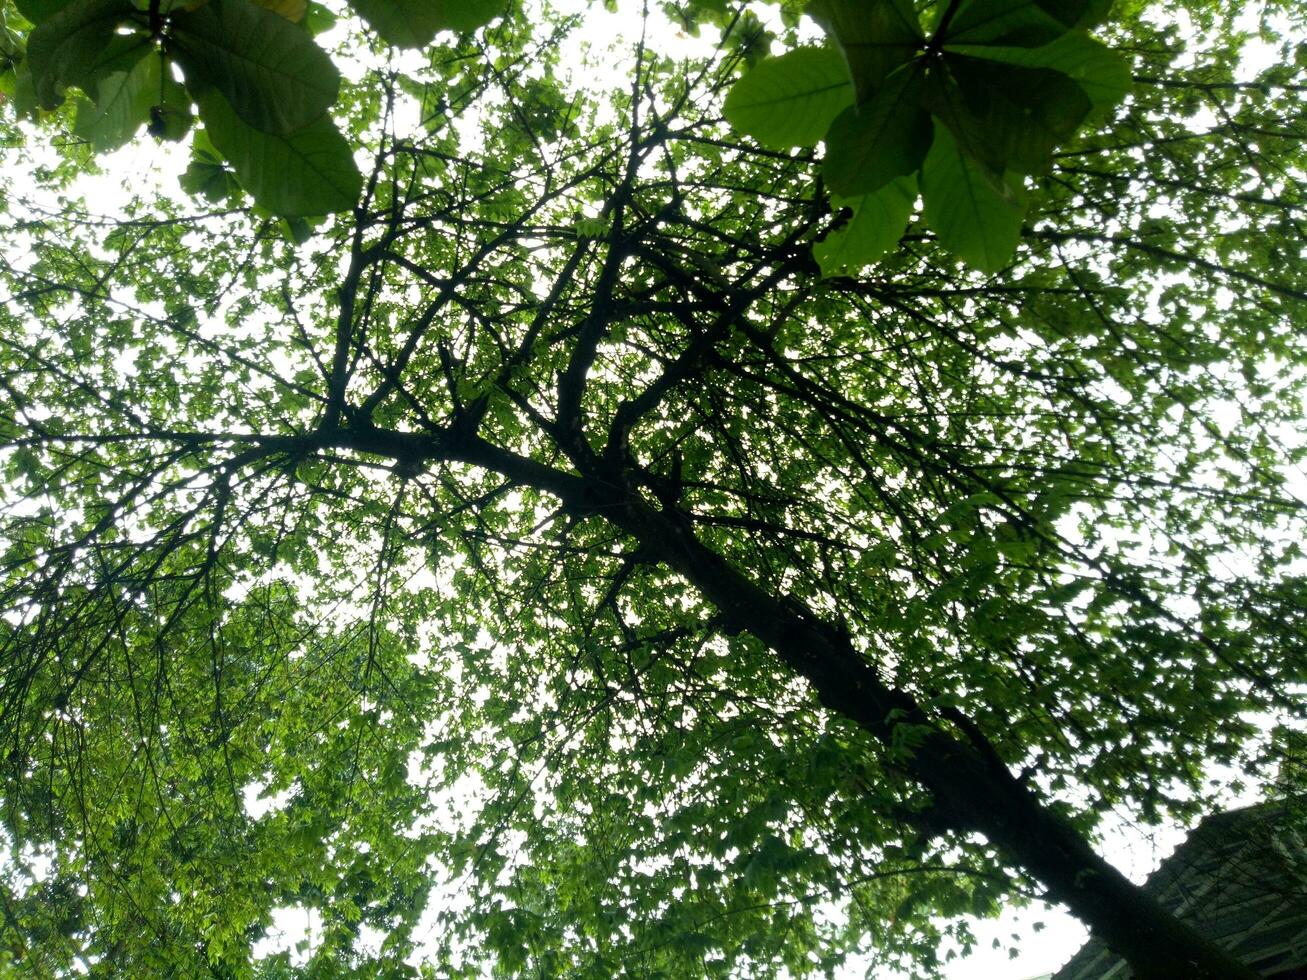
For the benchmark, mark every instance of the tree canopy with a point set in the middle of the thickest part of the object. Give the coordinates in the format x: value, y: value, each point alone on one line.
x: 667, y: 490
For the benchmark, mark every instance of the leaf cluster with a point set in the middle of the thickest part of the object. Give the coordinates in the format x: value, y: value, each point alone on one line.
x: 251, y: 70
x: 963, y: 111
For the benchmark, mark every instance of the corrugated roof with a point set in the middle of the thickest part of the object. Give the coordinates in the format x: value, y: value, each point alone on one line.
x: 1241, y: 879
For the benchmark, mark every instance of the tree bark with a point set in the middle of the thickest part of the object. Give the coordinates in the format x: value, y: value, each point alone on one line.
x: 971, y: 784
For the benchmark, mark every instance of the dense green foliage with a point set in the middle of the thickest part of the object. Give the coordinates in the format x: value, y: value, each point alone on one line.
x: 430, y: 518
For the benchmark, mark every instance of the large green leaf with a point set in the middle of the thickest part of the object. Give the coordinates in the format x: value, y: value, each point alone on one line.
x: 207, y: 178
x: 1078, y: 13
x: 1021, y: 23
x: 309, y: 171
x: 170, y: 111
x: 291, y: 10
x: 790, y: 100
x: 878, y: 222
x: 23, y: 97
x: 870, y: 145
x: 413, y: 23
x: 1103, y: 74
x: 60, y: 49
x: 876, y: 36
x: 270, y: 71
x: 39, y: 10
x: 1007, y: 117
x: 972, y: 217
x: 122, y: 104
x: 121, y: 54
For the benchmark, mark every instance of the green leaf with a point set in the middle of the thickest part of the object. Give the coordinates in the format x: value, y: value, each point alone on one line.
x: 870, y: 145
x: 972, y: 218
x: 296, y: 230
x: 121, y: 54
x: 790, y: 100
x: 164, y: 7
x: 1007, y: 117
x: 60, y: 49
x: 291, y: 10
x: 1078, y: 13
x: 170, y: 123
x: 309, y: 171
x: 591, y: 227
x: 876, y: 37
x: 24, y: 97
x: 413, y: 23
x: 318, y: 19
x: 171, y: 117
x: 121, y: 106
x: 213, y: 181
x: 1101, y: 73
x: 690, y: 14
x: 270, y: 71
x: 39, y: 10
x: 1021, y: 23
x: 878, y: 222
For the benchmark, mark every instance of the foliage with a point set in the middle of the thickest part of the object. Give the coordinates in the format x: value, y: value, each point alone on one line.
x: 597, y: 570
x: 1005, y: 83
x: 262, y: 84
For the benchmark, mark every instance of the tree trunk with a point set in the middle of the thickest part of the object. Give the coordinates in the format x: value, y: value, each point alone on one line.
x: 974, y: 789
x: 972, y: 786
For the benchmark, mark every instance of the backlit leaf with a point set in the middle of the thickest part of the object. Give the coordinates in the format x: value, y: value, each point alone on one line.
x: 309, y: 171
x: 1078, y: 13
x: 1101, y: 73
x: 790, y: 100
x: 413, y: 23
x: 270, y: 71
x: 870, y: 145
x: 962, y: 206
x: 1022, y: 23
x: 292, y: 10
x: 1005, y: 116
x: 876, y: 36
x: 60, y: 49
x: 170, y: 114
x: 878, y: 222
x: 39, y: 10
x: 121, y: 106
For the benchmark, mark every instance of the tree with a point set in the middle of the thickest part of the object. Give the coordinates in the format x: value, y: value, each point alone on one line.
x: 580, y: 523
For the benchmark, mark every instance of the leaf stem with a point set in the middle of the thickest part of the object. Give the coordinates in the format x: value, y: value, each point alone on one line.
x: 937, y: 40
